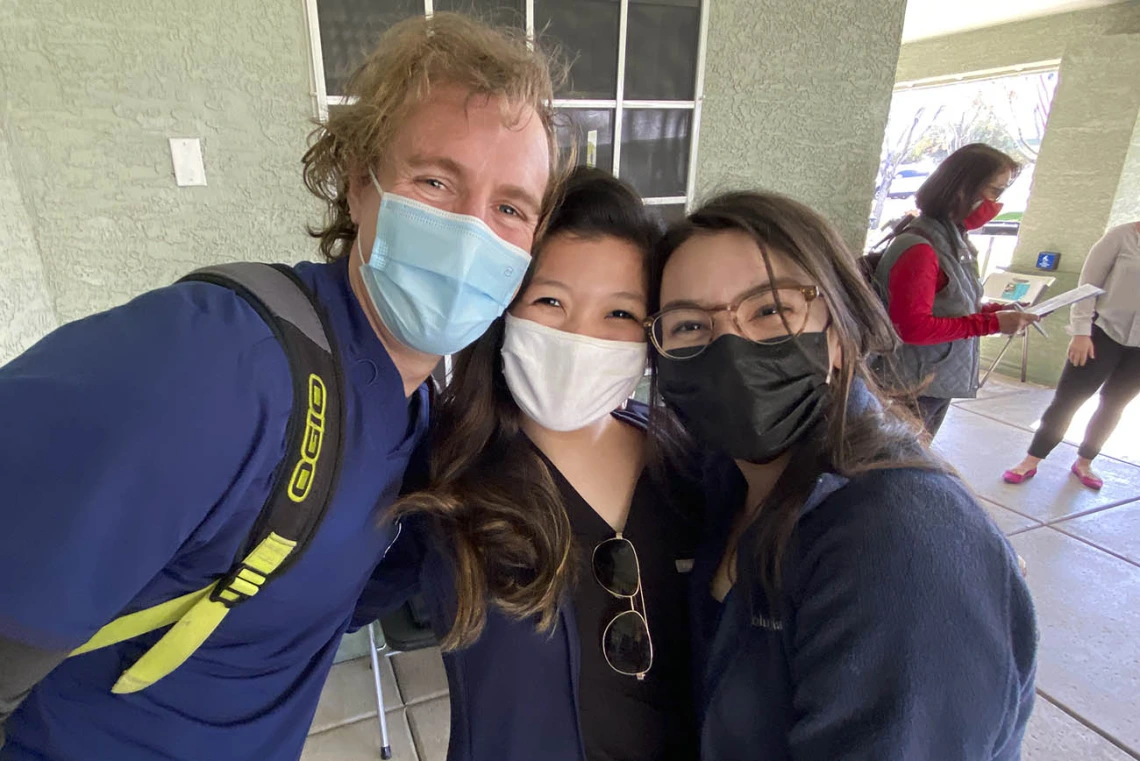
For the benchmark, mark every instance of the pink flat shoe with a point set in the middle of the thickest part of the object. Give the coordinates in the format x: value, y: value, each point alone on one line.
x: 1013, y: 477
x: 1091, y: 481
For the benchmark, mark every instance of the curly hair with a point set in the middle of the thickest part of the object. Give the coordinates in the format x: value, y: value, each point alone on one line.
x: 410, y: 58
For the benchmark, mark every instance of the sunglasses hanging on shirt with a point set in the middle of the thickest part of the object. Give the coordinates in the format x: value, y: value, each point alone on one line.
x: 626, y: 643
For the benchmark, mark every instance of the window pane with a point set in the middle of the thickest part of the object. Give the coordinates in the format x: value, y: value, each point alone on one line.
x: 497, y: 12
x: 350, y: 29
x: 586, y: 31
x: 655, y: 150
x: 669, y: 213
x: 661, y: 49
x: 584, y: 127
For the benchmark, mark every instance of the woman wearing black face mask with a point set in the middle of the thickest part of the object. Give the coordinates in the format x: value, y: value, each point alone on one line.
x: 930, y: 275
x: 852, y: 599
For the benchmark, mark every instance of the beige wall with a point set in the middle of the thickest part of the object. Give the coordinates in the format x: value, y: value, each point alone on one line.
x: 796, y: 100
x: 1015, y: 43
x: 89, y: 212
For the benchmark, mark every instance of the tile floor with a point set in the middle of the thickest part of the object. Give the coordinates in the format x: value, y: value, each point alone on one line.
x: 347, y: 728
x: 1083, y: 551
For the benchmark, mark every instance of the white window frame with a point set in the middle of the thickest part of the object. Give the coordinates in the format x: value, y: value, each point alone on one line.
x: 322, y: 100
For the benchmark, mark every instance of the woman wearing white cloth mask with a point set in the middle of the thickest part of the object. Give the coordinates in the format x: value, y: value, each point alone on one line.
x: 561, y: 588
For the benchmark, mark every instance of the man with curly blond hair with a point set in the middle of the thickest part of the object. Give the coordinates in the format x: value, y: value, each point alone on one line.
x: 141, y: 443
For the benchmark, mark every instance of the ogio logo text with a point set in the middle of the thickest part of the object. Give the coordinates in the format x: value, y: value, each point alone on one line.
x: 306, y: 469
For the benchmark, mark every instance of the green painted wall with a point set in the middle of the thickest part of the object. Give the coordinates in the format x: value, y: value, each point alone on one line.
x: 1019, y: 42
x: 89, y: 212
x: 796, y: 100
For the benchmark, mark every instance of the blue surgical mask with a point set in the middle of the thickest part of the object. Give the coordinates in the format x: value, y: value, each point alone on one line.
x: 438, y: 280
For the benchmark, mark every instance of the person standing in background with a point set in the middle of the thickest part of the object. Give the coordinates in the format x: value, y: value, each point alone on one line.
x: 934, y: 291
x: 1104, y: 354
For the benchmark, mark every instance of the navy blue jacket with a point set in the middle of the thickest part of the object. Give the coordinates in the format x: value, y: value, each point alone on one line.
x: 907, y: 633
x: 514, y: 692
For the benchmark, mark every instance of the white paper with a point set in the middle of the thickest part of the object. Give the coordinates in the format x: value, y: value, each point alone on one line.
x: 1080, y: 293
x: 1012, y: 287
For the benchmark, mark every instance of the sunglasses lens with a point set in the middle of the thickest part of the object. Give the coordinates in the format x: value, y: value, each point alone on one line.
x: 626, y: 644
x: 615, y: 567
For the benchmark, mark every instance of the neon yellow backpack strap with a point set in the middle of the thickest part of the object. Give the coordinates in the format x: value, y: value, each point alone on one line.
x: 301, y: 492
x: 194, y: 617
x: 190, y: 631
x: 143, y: 621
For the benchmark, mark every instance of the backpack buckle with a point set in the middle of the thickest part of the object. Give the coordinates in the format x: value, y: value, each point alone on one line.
x: 241, y: 583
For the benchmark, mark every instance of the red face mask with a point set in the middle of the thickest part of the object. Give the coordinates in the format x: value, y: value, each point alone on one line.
x: 982, y: 213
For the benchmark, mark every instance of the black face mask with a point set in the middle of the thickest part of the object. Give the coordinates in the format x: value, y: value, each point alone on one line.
x: 752, y: 401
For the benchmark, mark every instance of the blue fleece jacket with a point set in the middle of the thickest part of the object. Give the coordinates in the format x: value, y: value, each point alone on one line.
x: 906, y: 632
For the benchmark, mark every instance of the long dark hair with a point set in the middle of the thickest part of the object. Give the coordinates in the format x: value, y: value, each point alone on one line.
x: 491, y: 497
x: 948, y: 194
x: 851, y: 441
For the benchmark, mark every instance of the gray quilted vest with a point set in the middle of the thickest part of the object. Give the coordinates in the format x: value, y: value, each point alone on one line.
x: 952, y: 367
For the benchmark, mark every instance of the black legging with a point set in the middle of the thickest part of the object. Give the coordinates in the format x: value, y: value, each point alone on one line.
x: 1115, y: 371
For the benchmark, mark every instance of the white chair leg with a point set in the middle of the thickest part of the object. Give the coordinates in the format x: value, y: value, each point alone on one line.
x: 385, y: 745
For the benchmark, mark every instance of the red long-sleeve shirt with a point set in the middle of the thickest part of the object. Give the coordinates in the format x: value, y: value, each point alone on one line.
x: 914, y: 280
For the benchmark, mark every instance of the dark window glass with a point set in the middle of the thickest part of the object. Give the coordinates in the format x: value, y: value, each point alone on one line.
x: 350, y: 29
x: 586, y: 31
x: 661, y: 49
x: 582, y: 127
x: 669, y: 213
x: 496, y: 12
x: 655, y: 150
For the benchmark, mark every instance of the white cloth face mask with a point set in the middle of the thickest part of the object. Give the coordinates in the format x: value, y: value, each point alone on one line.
x: 566, y: 381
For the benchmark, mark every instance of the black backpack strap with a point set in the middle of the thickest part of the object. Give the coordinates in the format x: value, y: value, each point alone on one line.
x: 306, y: 478
x: 302, y: 486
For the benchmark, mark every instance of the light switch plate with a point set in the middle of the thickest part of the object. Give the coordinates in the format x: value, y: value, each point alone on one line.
x: 186, y: 153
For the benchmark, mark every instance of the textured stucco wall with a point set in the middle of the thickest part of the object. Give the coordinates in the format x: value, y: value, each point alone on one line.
x: 796, y: 100
x: 26, y: 311
x: 1126, y: 206
x: 93, y: 91
x: 1087, y: 159
x: 1018, y: 42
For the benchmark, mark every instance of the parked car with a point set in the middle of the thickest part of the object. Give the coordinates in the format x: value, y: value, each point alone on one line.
x: 907, y: 181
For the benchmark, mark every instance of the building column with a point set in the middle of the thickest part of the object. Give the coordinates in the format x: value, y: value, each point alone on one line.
x: 1087, y: 179
x: 796, y: 98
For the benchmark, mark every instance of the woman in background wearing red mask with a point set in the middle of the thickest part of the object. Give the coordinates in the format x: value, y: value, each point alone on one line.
x: 930, y: 275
